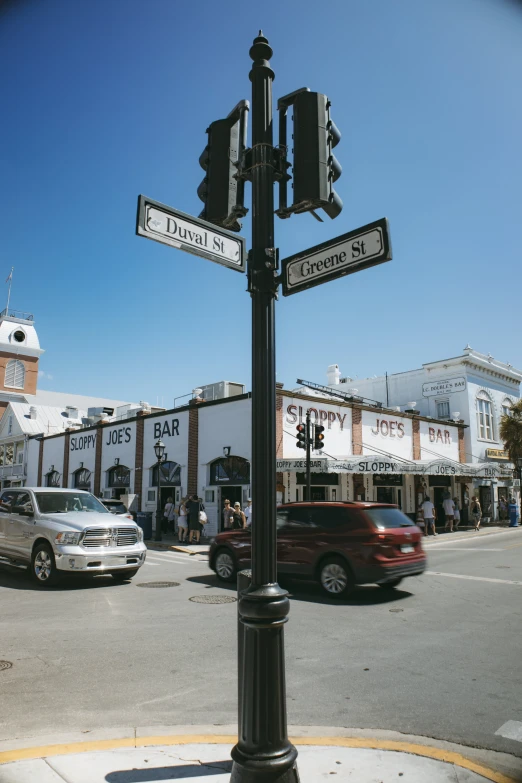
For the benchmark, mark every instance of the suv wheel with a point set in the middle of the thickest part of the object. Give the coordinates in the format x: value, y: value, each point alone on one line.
x: 225, y: 566
x: 43, y: 566
x: 335, y: 577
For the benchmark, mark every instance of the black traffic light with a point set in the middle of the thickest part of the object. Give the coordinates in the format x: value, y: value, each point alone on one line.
x: 301, y: 436
x: 315, y: 166
x: 221, y: 192
x: 318, y: 437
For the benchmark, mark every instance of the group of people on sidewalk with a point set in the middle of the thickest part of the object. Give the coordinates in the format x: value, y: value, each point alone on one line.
x: 189, y: 518
x: 451, y: 514
x: 236, y: 519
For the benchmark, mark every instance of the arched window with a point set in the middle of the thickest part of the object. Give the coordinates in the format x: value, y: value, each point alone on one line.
x: 170, y: 474
x: 230, y: 470
x: 485, y: 416
x: 15, y: 374
x: 118, y: 476
x: 506, y: 407
x: 82, y: 479
x: 52, y: 479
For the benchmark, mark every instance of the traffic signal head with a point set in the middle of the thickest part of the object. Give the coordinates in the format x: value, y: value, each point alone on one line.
x: 301, y: 436
x: 221, y: 192
x: 315, y: 166
x: 318, y: 437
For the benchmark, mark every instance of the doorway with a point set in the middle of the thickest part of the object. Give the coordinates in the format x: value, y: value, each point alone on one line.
x: 386, y: 495
x: 438, y: 498
x: 318, y: 493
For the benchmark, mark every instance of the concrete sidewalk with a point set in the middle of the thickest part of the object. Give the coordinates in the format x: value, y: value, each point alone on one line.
x: 190, y: 753
x: 467, y: 534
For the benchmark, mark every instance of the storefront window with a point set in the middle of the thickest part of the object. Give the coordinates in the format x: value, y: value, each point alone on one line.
x: 82, y: 479
x: 230, y: 470
x: 170, y: 474
x: 52, y: 479
x: 506, y: 408
x: 119, y: 476
x: 9, y: 453
x: 485, y: 417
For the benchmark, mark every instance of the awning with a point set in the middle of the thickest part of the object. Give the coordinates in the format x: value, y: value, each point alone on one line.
x: 383, y: 464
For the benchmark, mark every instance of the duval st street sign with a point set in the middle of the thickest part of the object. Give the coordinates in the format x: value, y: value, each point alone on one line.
x: 177, y: 229
x: 349, y: 253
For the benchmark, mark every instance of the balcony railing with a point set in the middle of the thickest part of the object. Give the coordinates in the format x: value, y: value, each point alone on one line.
x: 9, y: 313
x: 6, y: 471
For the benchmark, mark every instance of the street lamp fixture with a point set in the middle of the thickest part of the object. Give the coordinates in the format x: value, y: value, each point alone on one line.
x: 159, y: 450
x: 226, y: 451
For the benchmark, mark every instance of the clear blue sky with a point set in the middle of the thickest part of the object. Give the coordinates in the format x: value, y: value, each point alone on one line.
x: 105, y: 99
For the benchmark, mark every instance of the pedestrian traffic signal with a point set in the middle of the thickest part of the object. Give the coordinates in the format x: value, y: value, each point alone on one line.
x: 301, y: 436
x: 318, y: 437
x: 315, y: 166
x: 221, y: 192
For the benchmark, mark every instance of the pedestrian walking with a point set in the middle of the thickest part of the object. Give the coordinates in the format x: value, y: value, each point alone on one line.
x: 228, y: 516
x: 182, y: 521
x: 239, y: 519
x: 449, y: 512
x: 429, y: 514
x: 502, y: 509
x: 456, y: 514
x: 169, y: 514
x: 248, y: 512
x: 194, y: 507
x: 476, y: 512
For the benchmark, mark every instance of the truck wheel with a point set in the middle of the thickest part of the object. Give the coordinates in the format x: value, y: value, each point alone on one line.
x: 121, y: 576
x: 43, y: 566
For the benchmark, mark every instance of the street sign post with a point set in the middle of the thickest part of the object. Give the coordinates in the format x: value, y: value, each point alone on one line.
x: 349, y: 253
x: 177, y: 229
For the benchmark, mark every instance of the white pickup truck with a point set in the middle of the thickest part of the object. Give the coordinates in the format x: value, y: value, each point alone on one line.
x: 54, y: 531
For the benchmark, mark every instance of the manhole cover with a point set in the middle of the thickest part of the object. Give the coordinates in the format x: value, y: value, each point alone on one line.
x: 5, y: 665
x: 213, y: 599
x: 158, y: 584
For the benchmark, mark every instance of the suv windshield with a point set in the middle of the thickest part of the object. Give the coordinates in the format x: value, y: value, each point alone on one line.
x: 384, y: 518
x: 61, y: 502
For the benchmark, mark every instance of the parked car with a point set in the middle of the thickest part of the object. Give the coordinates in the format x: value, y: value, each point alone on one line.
x: 57, y: 531
x: 116, y: 507
x: 340, y: 545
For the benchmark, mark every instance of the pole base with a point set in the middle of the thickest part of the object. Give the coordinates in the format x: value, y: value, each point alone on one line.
x: 248, y: 773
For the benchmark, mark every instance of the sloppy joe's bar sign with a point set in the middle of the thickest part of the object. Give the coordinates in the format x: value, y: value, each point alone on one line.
x: 336, y: 419
x: 392, y: 434
x: 437, y: 439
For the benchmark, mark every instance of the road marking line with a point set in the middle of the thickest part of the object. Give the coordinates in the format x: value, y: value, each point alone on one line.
x: 474, y: 578
x: 513, y: 546
x: 439, y: 754
x: 512, y: 729
x: 166, y: 562
x: 471, y: 549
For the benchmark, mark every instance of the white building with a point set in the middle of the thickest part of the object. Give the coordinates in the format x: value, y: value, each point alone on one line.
x: 474, y: 388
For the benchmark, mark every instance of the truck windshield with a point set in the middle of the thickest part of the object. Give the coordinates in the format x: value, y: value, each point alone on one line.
x: 62, y: 502
x: 384, y: 518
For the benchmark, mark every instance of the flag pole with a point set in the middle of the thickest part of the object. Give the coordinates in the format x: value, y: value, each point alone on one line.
x: 10, y: 279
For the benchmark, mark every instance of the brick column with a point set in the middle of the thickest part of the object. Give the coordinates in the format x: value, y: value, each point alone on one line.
x: 97, y: 461
x: 462, y: 445
x: 416, y: 439
x: 357, y: 431
x: 193, y: 446
x: 138, y: 459
x: 65, y: 477
x: 40, y: 464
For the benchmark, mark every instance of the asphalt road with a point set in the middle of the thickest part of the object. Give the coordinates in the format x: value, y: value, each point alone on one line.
x: 440, y: 657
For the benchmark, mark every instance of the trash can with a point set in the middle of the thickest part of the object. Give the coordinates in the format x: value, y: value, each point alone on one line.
x: 144, y: 520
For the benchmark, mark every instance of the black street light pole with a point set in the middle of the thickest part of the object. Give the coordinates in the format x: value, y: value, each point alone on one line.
x: 263, y: 753
x: 159, y: 449
x: 308, y: 457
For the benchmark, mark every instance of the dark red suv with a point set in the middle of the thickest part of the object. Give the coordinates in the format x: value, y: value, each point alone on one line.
x: 338, y: 544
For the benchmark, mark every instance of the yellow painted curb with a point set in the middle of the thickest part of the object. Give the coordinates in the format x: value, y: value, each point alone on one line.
x: 438, y: 754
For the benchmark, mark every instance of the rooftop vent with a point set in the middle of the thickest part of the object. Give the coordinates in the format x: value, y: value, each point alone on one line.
x: 32, y: 412
x: 72, y: 411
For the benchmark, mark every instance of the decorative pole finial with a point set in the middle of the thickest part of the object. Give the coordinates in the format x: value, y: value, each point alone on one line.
x: 261, y: 52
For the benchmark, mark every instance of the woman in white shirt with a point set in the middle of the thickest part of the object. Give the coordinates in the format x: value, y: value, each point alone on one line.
x: 182, y: 522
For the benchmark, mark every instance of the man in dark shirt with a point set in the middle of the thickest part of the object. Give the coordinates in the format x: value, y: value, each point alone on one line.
x: 194, y: 506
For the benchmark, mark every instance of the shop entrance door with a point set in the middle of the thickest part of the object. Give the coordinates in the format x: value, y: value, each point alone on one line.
x: 486, y: 504
x: 438, y: 497
x: 318, y: 493
x: 386, y: 495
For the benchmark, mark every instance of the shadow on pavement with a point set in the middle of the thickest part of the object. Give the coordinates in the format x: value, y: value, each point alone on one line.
x: 18, y: 578
x: 168, y: 773
x: 365, y: 595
